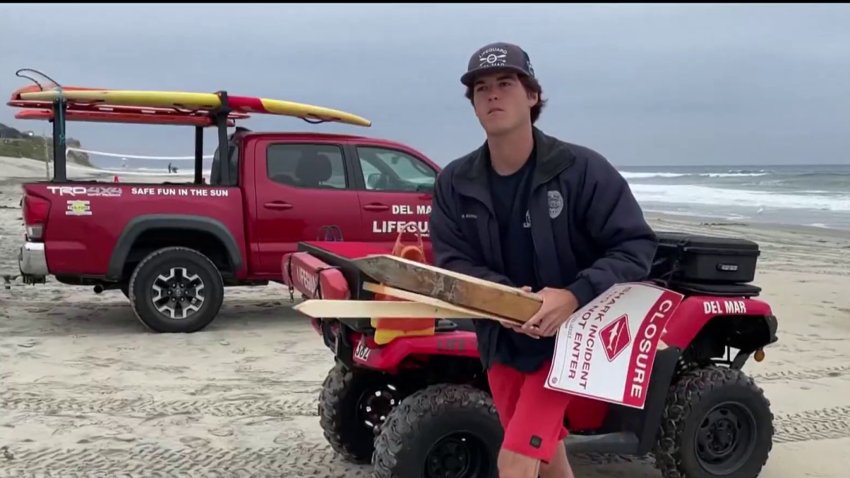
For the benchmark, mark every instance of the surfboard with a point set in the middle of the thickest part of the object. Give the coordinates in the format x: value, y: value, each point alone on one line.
x: 129, y: 115
x: 16, y: 101
x: 195, y: 101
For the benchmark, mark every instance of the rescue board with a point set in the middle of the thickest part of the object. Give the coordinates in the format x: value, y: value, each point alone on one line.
x: 189, y: 101
x: 40, y: 88
x: 16, y: 101
x: 159, y: 116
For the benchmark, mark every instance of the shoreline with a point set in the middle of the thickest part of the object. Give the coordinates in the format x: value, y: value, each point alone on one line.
x: 715, y: 222
x: 21, y: 170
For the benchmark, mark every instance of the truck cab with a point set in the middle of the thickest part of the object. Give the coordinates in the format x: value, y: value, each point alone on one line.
x: 299, y: 186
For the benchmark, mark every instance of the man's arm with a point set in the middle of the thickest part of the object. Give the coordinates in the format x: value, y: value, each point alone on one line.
x: 615, y: 222
x: 451, y: 249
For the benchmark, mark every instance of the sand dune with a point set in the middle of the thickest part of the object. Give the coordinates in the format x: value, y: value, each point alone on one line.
x: 86, y: 390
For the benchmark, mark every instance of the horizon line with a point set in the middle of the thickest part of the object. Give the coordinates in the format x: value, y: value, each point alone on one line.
x: 725, y: 164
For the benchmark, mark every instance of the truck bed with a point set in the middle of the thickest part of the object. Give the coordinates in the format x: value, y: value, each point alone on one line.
x: 90, y: 224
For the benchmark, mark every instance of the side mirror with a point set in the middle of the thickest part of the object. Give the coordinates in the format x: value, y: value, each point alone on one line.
x: 425, y: 187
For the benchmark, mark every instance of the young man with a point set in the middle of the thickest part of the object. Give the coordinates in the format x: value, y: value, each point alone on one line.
x: 529, y: 210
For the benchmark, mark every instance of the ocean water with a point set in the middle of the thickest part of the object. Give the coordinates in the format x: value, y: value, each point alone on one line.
x: 810, y: 195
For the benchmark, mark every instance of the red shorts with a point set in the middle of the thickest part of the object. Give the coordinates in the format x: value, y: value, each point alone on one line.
x: 531, y: 414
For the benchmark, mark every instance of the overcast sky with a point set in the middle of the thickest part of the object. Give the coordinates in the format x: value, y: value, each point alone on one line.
x: 641, y: 84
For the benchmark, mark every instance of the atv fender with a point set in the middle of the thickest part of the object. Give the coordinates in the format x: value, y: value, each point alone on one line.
x: 746, y: 324
x: 140, y: 224
x: 313, y: 278
x: 624, y: 430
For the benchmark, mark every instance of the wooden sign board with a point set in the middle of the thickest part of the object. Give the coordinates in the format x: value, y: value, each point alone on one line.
x: 462, y: 312
x: 358, y: 309
x: 458, y: 289
x: 409, y: 306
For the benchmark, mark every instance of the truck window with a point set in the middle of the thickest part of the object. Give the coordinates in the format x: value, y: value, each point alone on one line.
x: 317, y: 166
x: 387, y: 169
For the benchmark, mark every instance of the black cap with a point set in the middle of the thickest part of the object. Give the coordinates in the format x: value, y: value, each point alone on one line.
x: 498, y: 56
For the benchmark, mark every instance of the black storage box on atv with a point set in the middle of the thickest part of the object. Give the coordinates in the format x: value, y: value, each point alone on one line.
x: 696, y: 258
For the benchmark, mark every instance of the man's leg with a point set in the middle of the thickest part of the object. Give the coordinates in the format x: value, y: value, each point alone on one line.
x: 559, y: 466
x: 534, y: 437
x: 517, y: 465
x: 505, y: 385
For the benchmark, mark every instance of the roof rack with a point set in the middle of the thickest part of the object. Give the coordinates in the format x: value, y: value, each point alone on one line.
x: 48, y: 100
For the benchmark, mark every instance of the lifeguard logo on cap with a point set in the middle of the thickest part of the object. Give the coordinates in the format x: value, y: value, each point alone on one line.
x: 493, y: 57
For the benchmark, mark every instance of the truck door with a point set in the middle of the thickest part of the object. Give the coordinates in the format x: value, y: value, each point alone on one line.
x: 301, y: 187
x: 397, y: 192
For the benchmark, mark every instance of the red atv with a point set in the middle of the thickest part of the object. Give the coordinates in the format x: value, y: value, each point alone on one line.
x: 420, y: 406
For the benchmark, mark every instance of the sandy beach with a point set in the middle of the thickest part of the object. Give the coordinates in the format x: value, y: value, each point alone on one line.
x: 87, y: 391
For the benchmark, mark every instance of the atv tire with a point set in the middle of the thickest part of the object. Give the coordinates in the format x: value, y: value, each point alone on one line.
x: 352, y: 406
x: 442, y: 430
x: 717, y: 422
x: 176, y: 289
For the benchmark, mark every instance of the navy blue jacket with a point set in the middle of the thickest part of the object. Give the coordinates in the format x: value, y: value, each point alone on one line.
x: 588, y: 231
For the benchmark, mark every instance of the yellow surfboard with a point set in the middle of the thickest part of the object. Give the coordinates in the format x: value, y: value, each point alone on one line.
x: 196, y: 101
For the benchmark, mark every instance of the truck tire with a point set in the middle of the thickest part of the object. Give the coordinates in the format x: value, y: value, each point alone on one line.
x: 442, y: 430
x: 717, y: 423
x: 176, y: 289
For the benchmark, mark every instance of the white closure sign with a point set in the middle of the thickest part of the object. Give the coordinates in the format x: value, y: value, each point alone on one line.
x: 606, y: 349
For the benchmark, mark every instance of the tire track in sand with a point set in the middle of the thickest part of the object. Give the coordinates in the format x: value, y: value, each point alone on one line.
x: 223, y: 407
x: 251, y: 406
x: 304, y: 459
x: 152, y: 461
x: 800, y: 375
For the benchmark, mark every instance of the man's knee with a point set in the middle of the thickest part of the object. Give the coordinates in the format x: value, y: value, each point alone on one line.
x: 515, y: 465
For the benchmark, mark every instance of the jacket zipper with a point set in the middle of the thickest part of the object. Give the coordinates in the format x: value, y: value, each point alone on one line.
x: 532, y: 201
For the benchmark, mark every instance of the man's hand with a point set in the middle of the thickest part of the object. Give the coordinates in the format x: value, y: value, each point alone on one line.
x: 558, y: 305
x: 518, y: 327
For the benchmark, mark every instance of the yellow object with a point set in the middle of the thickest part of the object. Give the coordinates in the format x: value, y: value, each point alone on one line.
x: 759, y: 355
x: 192, y: 100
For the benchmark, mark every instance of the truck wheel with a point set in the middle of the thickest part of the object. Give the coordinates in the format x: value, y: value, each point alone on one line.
x: 442, y: 430
x: 717, y: 422
x: 176, y: 289
x: 352, y: 406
